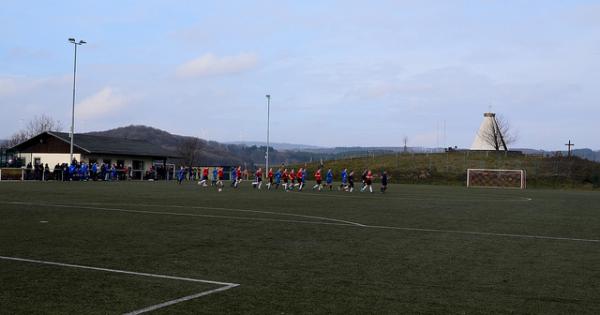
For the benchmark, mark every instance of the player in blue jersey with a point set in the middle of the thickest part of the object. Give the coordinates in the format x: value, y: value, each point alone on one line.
x: 344, y: 184
x: 277, y: 178
x: 215, y: 175
x: 180, y: 175
x: 329, y: 179
x: 233, y: 176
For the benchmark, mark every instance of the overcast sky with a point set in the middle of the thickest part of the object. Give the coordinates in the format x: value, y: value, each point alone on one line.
x: 340, y: 73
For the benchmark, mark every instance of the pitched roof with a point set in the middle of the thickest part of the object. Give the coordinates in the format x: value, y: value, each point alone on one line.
x: 109, y: 145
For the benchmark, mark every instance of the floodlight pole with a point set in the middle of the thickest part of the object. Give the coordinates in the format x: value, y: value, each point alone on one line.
x: 268, y: 123
x: 75, y: 44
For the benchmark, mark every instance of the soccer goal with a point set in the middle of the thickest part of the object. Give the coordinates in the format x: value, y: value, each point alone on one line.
x: 496, y: 178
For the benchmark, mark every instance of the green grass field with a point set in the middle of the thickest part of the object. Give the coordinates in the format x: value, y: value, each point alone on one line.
x: 415, y: 249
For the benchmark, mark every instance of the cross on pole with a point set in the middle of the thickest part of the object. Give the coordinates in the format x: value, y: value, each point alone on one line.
x: 570, y: 145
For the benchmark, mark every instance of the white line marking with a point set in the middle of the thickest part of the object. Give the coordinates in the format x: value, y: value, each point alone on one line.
x: 179, y: 300
x: 225, y: 285
x: 557, y: 238
x: 74, y: 206
x: 237, y: 210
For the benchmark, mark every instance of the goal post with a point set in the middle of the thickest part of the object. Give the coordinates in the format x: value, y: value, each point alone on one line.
x: 496, y: 178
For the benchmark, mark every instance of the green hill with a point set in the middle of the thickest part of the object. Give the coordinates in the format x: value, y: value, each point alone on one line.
x: 450, y: 168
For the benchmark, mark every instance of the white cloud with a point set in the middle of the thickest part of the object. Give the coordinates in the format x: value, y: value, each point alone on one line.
x: 107, y: 101
x: 211, y: 65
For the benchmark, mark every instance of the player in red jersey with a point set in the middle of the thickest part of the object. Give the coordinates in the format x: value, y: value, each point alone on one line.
x: 285, y: 176
x: 258, y: 178
x: 204, y: 177
x: 300, y: 183
x: 318, y: 179
x: 238, y: 176
x: 270, y: 177
x: 368, y: 181
x: 220, y: 177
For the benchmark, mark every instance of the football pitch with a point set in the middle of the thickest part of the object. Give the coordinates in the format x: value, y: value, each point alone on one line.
x: 163, y: 248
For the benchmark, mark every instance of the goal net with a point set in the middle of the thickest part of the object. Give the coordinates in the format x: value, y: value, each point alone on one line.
x: 496, y: 178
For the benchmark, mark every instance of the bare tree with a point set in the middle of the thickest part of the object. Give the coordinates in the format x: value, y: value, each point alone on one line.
x: 35, y: 126
x: 41, y: 124
x: 189, y: 149
x: 498, y: 134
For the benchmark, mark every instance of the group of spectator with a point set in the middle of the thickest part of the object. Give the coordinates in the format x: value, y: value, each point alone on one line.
x: 77, y: 171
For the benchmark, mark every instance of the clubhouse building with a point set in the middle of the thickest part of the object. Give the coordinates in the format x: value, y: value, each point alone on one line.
x: 54, y: 148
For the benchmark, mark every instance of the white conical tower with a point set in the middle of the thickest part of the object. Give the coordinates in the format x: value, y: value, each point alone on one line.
x: 489, y: 137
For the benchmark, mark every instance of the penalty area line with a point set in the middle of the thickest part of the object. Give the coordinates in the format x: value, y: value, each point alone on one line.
x: 224, y: 285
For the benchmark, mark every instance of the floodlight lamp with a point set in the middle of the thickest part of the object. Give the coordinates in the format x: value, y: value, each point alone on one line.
x: 268, y: 96
x: 82, y: 42
x: 72, y: 40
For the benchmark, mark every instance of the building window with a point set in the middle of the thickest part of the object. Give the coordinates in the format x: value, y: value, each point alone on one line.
x: 137, y: 165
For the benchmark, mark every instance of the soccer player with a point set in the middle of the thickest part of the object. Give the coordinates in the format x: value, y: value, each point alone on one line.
x: 215, y: 176
x: 344, y: 184
x: 285, y: 178
x: 277, y: 178
x: 368, y: 181
x: 363, y: 179
x: 220, y: 177
x: 204, y: 177
x: 300, y: 184
x: 180, y: 175
x: 303, y: 178
x: 329, y: 179
x: 258, y: 181
x: 270, y: 176
x: 238, y: 175
x: 233, y: 176
x: 317, y: 179
x: 384, y: 181
x: 351, y: 181
x: 292, y: 177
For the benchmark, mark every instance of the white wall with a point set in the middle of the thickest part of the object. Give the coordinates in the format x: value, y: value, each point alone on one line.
x: 58, y: 158
x: 48, y: 158
x: 114, y: 158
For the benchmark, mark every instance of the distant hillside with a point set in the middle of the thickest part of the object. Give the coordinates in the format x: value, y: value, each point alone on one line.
x: 281, y: 146
x: 587, y: 154
x: 207, y: 152
x: 252, y: 153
